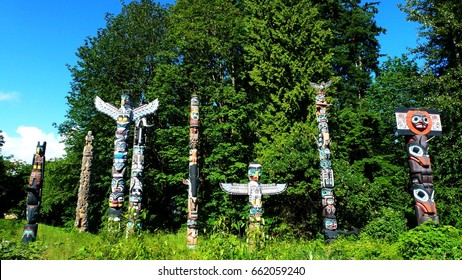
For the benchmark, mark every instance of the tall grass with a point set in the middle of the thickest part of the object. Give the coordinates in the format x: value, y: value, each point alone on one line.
x: 67, y: 244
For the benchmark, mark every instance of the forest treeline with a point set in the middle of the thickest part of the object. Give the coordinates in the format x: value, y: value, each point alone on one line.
x: 251, y: 63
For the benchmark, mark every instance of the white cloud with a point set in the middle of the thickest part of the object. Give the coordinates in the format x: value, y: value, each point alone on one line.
x: 9, y: 95
x: 24, y: 146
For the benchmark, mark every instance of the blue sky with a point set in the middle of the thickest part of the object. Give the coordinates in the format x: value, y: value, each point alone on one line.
x: 38, y: 39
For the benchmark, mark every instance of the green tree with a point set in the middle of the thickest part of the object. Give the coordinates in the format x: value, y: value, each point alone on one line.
x: 440, y: 28
x: 14, y: 177
x: 207, y: 37
x: 124, y: 55
x: 354, y: 45
x: 287, y: 50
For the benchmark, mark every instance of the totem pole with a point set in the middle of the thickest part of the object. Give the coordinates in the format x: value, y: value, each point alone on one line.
x: 193, y: 181
x: 136, y: 179
x: 255, y: 190
x: 81, y: 216
x: 34, y: 194
x: 2, y: 141
x: 123, y: 116
x: 416, y: 124
x: 327, y: 174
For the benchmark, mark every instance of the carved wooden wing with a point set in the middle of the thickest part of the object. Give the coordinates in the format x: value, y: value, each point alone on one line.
x: 106, y: 108
x: 270, y: 189
x: 145, y: 109
x: 235, y: 188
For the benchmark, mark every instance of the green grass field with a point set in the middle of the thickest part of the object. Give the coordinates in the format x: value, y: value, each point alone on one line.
x: 429, y: 242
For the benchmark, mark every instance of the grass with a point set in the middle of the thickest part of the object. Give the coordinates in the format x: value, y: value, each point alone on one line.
x: 67, y: 244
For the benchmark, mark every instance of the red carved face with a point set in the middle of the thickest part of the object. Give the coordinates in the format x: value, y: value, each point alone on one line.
x: 418, y: 122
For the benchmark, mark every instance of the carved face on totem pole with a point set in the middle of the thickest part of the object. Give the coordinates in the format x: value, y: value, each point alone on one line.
x: 418, y: 122
x: 255, y: 194
x: 254, y: 171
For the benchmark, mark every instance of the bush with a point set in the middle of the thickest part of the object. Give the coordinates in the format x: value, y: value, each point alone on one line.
x: 388, y: 225
x: 431, y: 241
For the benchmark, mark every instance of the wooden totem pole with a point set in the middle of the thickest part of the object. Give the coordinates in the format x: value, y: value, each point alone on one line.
x: 255, y: 190
x: 123, y: 117
x: 136, y: 179
x: 34, y: 194
x: 327, y: 174
x: 81, y: 216
x: 193, y: 181
x: 416, y: 124
x: 2, y: 140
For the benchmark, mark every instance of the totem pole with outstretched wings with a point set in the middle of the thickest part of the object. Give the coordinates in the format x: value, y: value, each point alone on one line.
x: 123, y: 117
x: 254, y: 190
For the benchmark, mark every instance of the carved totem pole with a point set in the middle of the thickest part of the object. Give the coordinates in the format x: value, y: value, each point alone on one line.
x: 136, y: 179
x: 416, y: 124
x: 255, y: 190
x: 2, y: 140
x: 34, y: 194
x: 81, y: 216
x: 327, y: 174
x: 123, y: 116
x: 193, y: 181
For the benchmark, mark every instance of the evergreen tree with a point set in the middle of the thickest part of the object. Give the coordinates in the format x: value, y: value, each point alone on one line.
x: 208, y: 37
x: 124, y: 55
x: 354, y: 45
x: 286, y: 51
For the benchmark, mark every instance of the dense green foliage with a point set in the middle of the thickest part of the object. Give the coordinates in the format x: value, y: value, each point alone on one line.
x: 251, y: 63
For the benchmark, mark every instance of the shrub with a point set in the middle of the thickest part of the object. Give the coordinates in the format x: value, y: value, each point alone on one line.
x: 431, y: 241
x: 388, y: 225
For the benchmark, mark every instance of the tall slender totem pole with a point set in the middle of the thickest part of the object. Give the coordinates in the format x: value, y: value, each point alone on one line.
x: 34, y: 194
x: 327, y: 174
x: 193, y: 181
x: 136, y: 179
x: 255, y: 190
x: 2, y: 140
x: 123, y: 116
x: 416, y: 124
x: 81, y: 216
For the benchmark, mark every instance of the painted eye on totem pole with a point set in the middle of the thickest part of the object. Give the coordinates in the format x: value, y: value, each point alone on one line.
x: 421, y: 195
x: 416, y: 151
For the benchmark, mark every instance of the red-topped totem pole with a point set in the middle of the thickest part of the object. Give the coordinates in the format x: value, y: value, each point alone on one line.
x: 193, y: 181
x: 416, y: 124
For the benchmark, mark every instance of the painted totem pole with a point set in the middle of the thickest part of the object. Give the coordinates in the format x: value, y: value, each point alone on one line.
x: 136, y: 179
x: 327, y: 174
x: 416, y: 124
x: 2, y: 140
x: 34, y: 194
x: 81, y: 216
x: 193, y: 181
x: 255, y: 190
x: 123, y: 116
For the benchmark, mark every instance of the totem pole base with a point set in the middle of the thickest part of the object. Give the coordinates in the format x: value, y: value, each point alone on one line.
x: 30, y: 233
x: 331, y: 235
x: 422, y: 217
